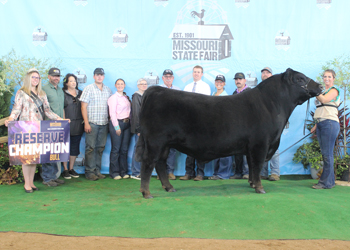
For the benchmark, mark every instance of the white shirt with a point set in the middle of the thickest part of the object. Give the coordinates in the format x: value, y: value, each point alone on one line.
x: 201, y: 88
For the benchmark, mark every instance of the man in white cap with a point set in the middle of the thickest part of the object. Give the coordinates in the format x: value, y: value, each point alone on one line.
x: 168, y: 78
x: 275, y: 160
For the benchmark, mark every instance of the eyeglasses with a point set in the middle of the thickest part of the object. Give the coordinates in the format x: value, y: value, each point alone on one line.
x: 168, y: 77
x: 36, y: 78
x: 143, y: 84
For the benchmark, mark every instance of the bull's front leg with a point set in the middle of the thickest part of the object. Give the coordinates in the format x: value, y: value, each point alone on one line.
x: 146, y: 172
x: 255, y: 166
x: 163, y: 176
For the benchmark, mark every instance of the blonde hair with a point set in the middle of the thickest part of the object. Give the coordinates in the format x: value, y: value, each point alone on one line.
x: 27, y: 83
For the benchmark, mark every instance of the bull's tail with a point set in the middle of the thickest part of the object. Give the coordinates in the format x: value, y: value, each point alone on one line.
x: 140, y: 149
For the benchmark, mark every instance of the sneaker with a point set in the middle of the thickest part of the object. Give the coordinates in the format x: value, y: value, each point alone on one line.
x: 274, y: 177
x: 198, y: 178
x: 126, y: 176
x: 264, y: 177
x: 73, y: 173
x: 59, y: 181
x: 246, y: 176
x: 66, y: 175
x: 118, y: 177
x: 100, y: 176
x: 214, y: 177
x: 171, y: 176
x: 236, y: 176
x: 91, y: 177
x: 50, y: 183
x: 137, y: 177
x: 318, y: 186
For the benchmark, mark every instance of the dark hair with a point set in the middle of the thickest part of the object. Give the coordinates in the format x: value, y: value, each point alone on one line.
x: 65, y: 81
x: 118, y: 80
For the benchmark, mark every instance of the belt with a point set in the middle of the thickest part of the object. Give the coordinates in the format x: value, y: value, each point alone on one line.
x: 318, y: 120
x: 126, y: 120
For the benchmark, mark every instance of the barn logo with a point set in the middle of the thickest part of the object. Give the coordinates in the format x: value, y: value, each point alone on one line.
x: 161, y: 3
x: 152, y: 78
x: 81, y: 2
x: 39, y: 36
x: 120, y: 38
x: 3, y: 1
x: 251, y: 79
x: 282, y: 40
x: 323, y: 4
x: 201, y: 33
x: 201, y: 36
x: 81, y: 76
x: 242, y: 3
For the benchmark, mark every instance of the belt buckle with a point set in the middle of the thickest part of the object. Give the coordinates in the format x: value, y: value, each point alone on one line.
x: 126, y: 120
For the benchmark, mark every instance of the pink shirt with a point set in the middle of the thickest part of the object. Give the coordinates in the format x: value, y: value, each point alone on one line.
x: 119, y: 108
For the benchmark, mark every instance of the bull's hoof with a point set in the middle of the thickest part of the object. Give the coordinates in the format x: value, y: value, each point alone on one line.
x: 252, y: 185
x: 147, y: 196
x: 260, y: 191
x: 170, y: 190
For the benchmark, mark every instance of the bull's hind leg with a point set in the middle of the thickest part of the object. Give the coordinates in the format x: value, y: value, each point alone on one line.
x: 146, y: 172
x: 162, y: 172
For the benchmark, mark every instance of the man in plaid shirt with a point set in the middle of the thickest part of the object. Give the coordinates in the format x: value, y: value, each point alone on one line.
x: 94, y: 108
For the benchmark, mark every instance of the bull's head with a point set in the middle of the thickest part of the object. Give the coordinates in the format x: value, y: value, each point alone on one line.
x: 306, y: 84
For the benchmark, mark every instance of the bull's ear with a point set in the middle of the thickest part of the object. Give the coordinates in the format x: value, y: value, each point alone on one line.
x: 287, y: 75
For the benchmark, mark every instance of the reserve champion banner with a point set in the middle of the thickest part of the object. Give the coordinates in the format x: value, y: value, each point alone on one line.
x: 142, y: 38
x: 34, y: 142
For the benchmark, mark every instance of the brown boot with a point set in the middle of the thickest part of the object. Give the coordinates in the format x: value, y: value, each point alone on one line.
x: 186, y: 177
x: 274, y: 177
x: 198, y: 178
x: 171, y: 176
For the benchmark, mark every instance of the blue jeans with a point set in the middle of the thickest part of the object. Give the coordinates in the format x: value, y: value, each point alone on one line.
x: 327, y: 132
x: 49, y: 171
x: 170, y: 162
x: 135, y: 165
x: 222, y: 167
x: 118, y: 158
x: 274, y: 165
x: 95, y: 142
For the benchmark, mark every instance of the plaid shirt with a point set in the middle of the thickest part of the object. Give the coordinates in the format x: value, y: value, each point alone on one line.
x: 97, y: 100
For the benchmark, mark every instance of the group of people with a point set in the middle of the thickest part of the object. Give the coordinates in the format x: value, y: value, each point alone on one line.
x: 97, y: 111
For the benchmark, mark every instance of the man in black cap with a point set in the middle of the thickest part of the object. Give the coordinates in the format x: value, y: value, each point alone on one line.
x: 55, y: 96
x: 168, y: 78
x: 275, y: 160
x: 94, y: 108
x: 241, y: 170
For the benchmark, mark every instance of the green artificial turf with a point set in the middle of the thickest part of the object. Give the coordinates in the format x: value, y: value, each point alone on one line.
x: 222, y: 209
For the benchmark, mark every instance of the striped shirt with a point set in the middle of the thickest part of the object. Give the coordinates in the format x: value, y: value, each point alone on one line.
x: 97, y: 108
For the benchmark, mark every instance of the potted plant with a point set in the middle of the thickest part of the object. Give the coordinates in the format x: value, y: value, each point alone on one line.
x: 309, y: 154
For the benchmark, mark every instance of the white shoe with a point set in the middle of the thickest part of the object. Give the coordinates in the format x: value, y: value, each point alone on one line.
x: 126, y: 176
x: 118, y: 177
x: 137, y: 177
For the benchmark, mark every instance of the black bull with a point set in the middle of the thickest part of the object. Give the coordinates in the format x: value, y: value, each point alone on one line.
x: 210, y: 127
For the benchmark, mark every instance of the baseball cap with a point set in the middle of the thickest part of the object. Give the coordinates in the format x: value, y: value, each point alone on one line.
x: 239, y: 75
x: 54, y: 72
x: 168, y: 72
x: 268, y: 69
x: 99, y: 71
x: 220, y: 78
